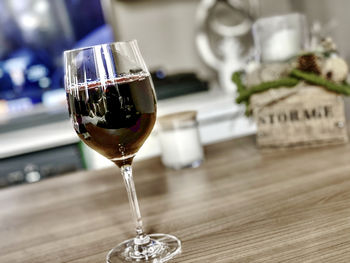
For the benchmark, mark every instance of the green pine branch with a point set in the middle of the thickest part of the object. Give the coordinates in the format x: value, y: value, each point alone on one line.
x: 284, y: 82
x: 237, y: 79
x: 320, y: 81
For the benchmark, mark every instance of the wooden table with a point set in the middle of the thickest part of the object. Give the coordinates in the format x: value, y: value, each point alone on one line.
x: 239, y: 206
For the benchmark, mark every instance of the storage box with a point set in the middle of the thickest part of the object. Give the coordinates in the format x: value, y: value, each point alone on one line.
x: 301, y: 116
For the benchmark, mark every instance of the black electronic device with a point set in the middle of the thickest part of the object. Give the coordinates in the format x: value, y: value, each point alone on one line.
x: 168, y: 86
x: 35, y: 166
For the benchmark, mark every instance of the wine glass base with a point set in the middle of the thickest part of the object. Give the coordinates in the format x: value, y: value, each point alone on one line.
x: 161, y: 248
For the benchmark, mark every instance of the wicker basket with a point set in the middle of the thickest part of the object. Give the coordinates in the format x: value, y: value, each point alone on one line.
x: 301, y: 116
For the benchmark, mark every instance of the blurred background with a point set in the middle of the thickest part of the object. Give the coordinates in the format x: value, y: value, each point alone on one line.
x: 191, y: 48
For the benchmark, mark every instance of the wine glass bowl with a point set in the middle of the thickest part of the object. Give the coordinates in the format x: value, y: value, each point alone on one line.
x: 112, y: 105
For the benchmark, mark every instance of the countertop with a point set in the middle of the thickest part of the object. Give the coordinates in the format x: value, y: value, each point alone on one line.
x: 240, y: 206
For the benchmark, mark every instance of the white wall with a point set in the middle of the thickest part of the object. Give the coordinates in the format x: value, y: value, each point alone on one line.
x: 165, y: 31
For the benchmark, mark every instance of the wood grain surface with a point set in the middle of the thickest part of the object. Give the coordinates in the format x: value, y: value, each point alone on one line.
x: 239, y: 206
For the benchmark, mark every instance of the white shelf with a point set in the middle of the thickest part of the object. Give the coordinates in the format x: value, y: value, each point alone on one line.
x: 36, y: 138
x: 220, y: 119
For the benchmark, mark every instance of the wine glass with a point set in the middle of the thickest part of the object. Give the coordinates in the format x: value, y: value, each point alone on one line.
x: 112, y: 105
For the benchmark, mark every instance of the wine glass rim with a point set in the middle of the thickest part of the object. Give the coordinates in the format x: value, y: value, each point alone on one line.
x: 100, y: 45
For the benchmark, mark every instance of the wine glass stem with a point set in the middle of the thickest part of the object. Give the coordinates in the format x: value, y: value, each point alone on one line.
x: 126, y: 172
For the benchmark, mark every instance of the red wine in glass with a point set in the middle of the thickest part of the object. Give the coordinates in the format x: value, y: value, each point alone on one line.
x: 112, y: 105
x: 115, y: 120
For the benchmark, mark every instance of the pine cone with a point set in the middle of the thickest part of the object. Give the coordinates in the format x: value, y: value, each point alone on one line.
x: 309, y: 63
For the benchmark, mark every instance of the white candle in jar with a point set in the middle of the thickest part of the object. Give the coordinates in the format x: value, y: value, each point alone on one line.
x: 179, y: 140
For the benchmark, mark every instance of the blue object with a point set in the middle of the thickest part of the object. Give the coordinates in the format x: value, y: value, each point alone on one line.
x: 100, y: 35
x: 28, y: 69
x: 26, y: 73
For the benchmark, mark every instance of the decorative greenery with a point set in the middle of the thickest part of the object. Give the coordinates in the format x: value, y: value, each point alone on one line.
x: 320, y: 81
x: 236, y: 78
x: 295, y: 77
x: 244, y: 94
